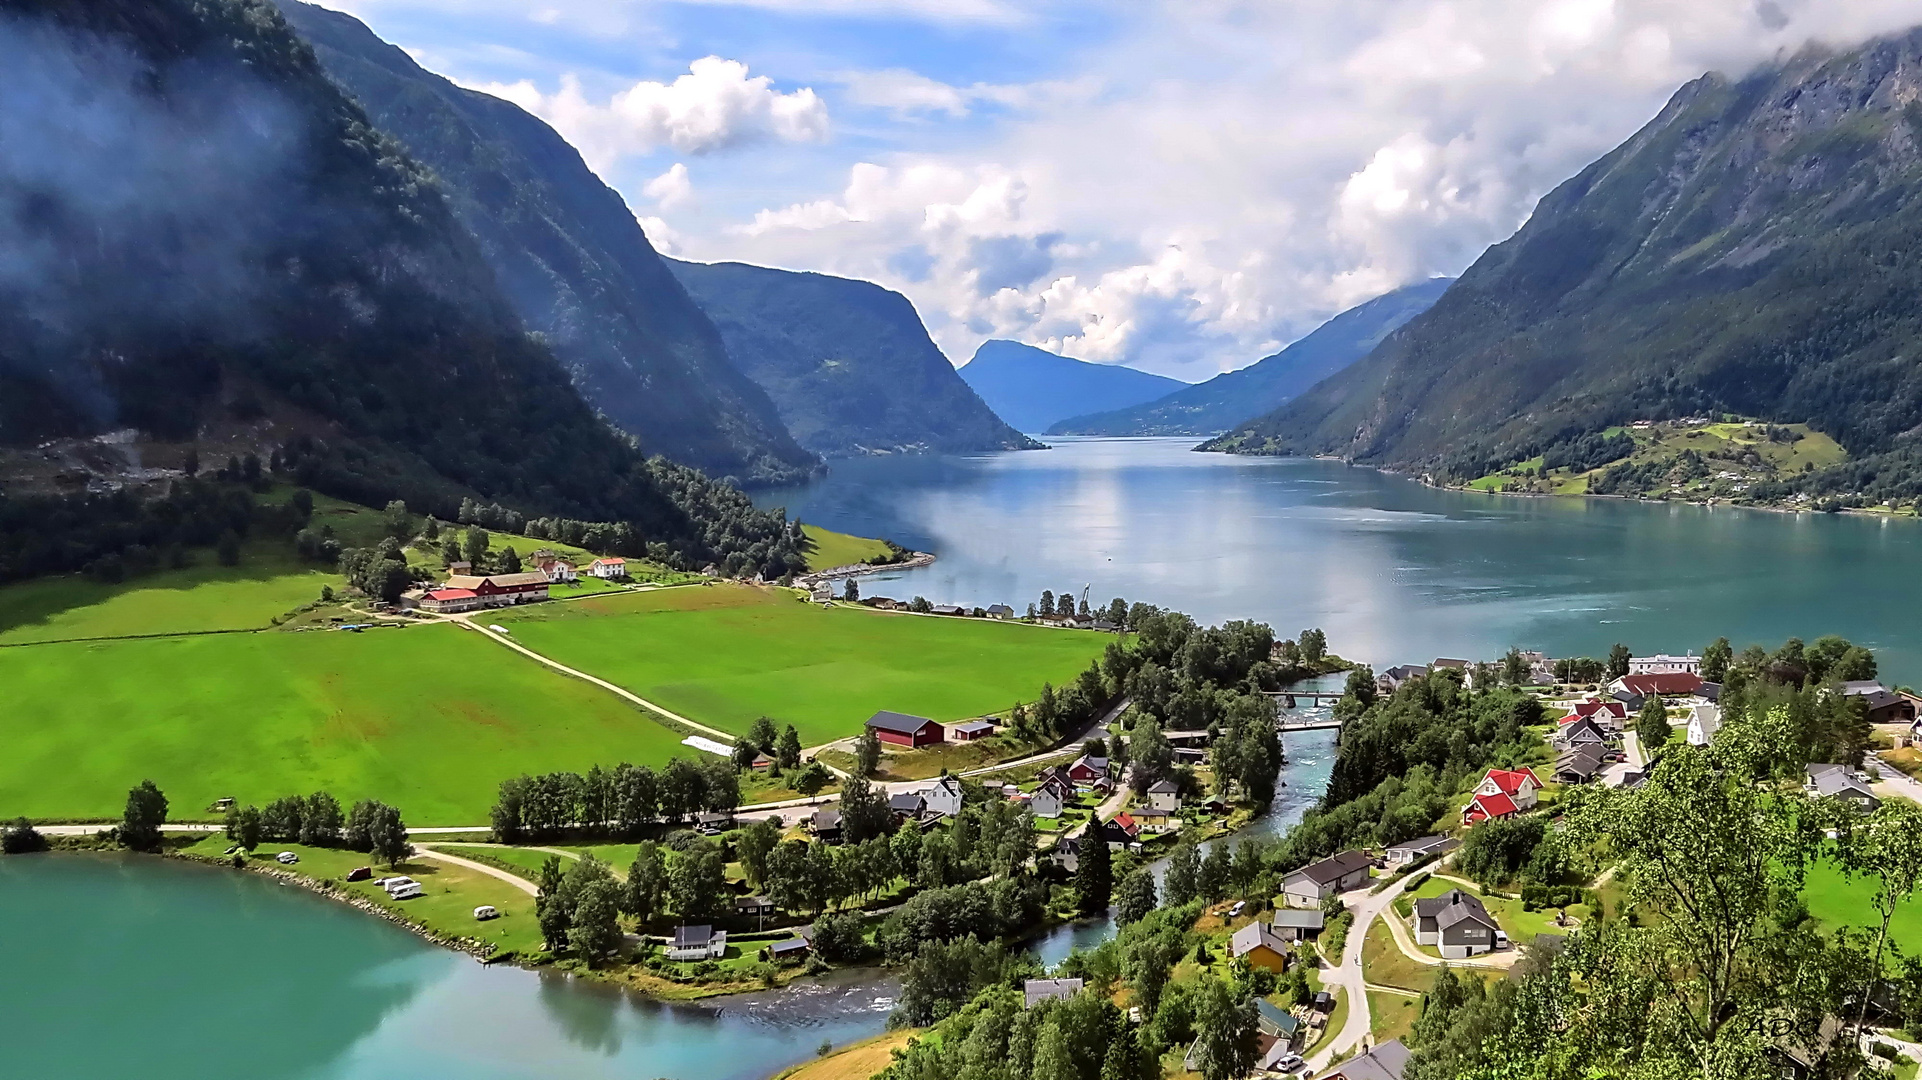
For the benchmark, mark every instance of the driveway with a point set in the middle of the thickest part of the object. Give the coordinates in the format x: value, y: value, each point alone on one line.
x: 1894, y: 781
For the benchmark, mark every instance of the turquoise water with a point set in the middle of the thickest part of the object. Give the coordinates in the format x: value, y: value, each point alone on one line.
x: 1395, y: 572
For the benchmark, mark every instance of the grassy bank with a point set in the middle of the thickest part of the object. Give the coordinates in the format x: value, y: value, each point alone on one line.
x: 827, y: 549
x: 729, y: 653
x: 428, y: 718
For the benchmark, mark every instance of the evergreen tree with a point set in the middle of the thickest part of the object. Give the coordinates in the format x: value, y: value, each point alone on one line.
x: 646, y: 883
x: 1651, y: 725
x: 1093, y: 875
x: 1618, y: 656
x: 788, y: 753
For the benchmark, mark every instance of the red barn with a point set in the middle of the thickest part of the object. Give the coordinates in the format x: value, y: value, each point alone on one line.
x: 904, y: 730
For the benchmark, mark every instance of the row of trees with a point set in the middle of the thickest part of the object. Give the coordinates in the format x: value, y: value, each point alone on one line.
x: 619, y: 800
x: 317, y: 820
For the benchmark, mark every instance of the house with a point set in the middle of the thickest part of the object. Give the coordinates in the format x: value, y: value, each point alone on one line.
x: 1488, y: 807
x: 1456, y: 924
x: 900, y: 729
x: 1586, y: 731
x: 1260, y: 946
x: 450, y: 601
x: 947, y: 609
x: 1704, y: 721
x: 1580, y: 765
x: 1292, y: 924
x: 1840, y: 782
x: 822, y: 593
x: 1409, y: 852
x: 1036, y: 991
x: 1664, y: 664
x: 1164, y: 797
x: 1622, y: 775
x: 1122, y: 831
x: 1606, y: 714
x: 1385, y: 1062
x: 791, y: 949
x: 1884, y: 705
x: 502, y: 590
x: 608, y: 568
x: 1522, y: 786
x: 944, y: 798
x: 970, y: 730
x: 1660, y: 684
x: 460, y: 568
x: 1190, y: 755
x: 1048, y: 799
x: 558, y: 571
x: 1310, y: 885
x: 825, y: 824
x: 697, y: 943
x: 1397, y: 677
x: 881, y: 603
x: 906, y: 806
x: 1272, y: 1019
x: 751, y: 907
x: 1066, y: 853
x: 1087, y: 769
x: 1000, y: 611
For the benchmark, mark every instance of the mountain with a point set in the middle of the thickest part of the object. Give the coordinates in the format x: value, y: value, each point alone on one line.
x: 210, y: 244
x: 1033, y: 388
x: 1754, y: 249
x: 570, y: 257
x: 848, y: 363
x: 1234, y: 396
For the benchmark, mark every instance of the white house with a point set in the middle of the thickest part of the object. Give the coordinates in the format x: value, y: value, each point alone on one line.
x: 559, y: 571
x: 608, y: 568
x: 1664, y: 664
x: 1049, y: 798
x: 1310, y: 885
x: 697, y: 943
x: 1520, y: 785
x: 1703, y: 721
x: 944, y: 798
x: 1164, y: 797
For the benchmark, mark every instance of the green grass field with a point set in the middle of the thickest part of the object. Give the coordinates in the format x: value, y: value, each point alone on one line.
x: 267, y: 583
x: 1836, y: 900
x: 428, y: 718
x: 827, y: 548
x: 726, y: 654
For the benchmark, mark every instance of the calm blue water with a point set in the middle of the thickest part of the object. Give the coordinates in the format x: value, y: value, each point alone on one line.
x: 1395, y: 572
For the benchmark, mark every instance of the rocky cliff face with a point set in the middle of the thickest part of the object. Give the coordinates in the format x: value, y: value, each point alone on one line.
x: 570, y: 258
x: 1753, y: 249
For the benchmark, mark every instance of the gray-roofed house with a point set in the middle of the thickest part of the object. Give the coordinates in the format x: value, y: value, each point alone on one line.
x: 906, y: 805
x: 791, y: 949
x: 1588, y: 731
x: 1036, y: 991
x: 1049, y: 798
x: 1164, y: 797
x: 1000, y: 611
x: 1413, y: 851
x: 1396, y: 677
x: 970, y: 730
x: 1087, y: 769
x: 1258, y: 944
x: 825, y: 824
x: 697, y: 943
x: 1581, y: 765
x: 1884, y: 705
x: 1310, y: 885
x: 1455, y: 923
x: 1298, y: 924
x: 1839, y: 782
x: 1385, y: 1062
x: 944, y: 798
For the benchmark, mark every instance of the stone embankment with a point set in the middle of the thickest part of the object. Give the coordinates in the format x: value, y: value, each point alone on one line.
x: 917, y: 559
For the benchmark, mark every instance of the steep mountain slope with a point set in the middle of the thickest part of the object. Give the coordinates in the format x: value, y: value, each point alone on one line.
x: 1234, y: 396
x: 1754, y: 249
x: 848, y: 363
x: 1033, y: 388
x: 570, y: 257
x: 206, y: 236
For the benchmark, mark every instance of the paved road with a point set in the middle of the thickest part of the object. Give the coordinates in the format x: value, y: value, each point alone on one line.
x: 515, y: 880
x: 1347, y: 974
x: 1894, y: 781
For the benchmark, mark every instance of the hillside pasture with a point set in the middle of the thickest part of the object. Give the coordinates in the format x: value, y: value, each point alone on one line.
x: 827, y: 549
x: 725, y: 654
x: 268, y: 583
x: 428, y: 718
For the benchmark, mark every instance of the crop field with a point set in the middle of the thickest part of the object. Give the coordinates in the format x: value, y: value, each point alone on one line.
x: 726, y: 654
x: 267, y: 583
x: 428, y: 718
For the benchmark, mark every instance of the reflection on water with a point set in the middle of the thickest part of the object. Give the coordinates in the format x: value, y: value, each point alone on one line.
x: 1395, y: 572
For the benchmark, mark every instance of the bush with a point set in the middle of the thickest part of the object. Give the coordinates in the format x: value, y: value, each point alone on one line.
x: 21, y: 838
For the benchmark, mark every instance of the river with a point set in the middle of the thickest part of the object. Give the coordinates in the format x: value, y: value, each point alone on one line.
x: 1395, y: 572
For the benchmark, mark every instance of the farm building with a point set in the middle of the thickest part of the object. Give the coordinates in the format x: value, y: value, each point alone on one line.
x: 900, y: 729
x: 970, y: 730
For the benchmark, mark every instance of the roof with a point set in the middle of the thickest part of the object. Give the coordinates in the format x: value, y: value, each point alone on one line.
x: 1035, y: 991
x: 1667, y: 683
x: 1664, y: 658
x: 692, y: 937
x: 1590, y: 708
x: 1586, y: 727
x: 1452, y: 907
x: 752, y: 903
x: 515, y: 581
x: 1405, y: 671
x: 1422, y: 845
x: 1164, y: 787
x: 1583, y: 762
x: 1299, y: 919
x: 1494, y: 805
x: 973, y: 727
x: 451, y: 594
x: 1254, y: 936
x: 1098, y: 764
x: 1276, y: 1016
x: 1444, y: 662
x: 998, y: 608
x: 1863, y: 687
x: 827, y: 818
x: 907, y: 802
x: 1510, y: 780
x: 610, y: 562
x: 1384, y: 1062
x: 1836, y: 780
x: 1881, y: 699
x: 1335, y: 867
x: 900, y: 723
x: 1127, y: 821
x: 781, y: 948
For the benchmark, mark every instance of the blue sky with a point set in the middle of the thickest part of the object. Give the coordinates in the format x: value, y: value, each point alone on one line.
x: 1179, y: 185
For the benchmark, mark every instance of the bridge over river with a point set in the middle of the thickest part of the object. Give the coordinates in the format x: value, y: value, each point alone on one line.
x: 1294, y: 699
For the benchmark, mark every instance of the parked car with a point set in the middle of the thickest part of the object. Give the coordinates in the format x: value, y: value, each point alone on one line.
x: 1240, y: 906
x: 287, y: 858
x: 360, y: 873
x: 486, y: 912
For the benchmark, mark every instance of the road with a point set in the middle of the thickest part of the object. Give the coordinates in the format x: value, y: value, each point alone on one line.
x: 1347, y: 974
x: 1894, y: 781
x: 515, y: 880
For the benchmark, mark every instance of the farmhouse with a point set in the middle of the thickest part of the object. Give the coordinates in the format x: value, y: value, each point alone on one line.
x: 448, y: 601
x: 1310, y: 885
x: 558, y: 571
x: 1664, y: 664
x: 503, y: 590
x: 900, y: 729
x: 1455, y: 923
x: 1000, y: 611
x: 697, y: 943
x: 608, y: 569
x: 944, y: 798
x: 1413, y: 851
x: 970, y: 730
x: 1260, y: 946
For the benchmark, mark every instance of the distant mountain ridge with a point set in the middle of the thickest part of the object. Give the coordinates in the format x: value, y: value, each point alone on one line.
x: 1033, y: 389
x: 571, y: 258
x: 848, y: 364
x: 1753, y: 249
x: 1233, y: 397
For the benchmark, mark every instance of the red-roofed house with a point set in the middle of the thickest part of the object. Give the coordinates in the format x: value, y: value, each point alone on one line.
x: 1613, y: 709
x: 558, y: 571
x: 608, y: 568
x: 1519, y: 786
x: 447, y: 601
x: 1488, y: 808
x: 1666, y: 684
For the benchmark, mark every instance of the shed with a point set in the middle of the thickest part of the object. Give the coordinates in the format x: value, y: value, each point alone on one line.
x: 970, y: 730
x: 900, y: 729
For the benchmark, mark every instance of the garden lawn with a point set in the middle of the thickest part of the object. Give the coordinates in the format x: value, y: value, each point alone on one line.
x: 1521, y: 926
x: 268, y: 583
x: 450, y: 893
x: 726, y: 654
x: 428, y: 718
x: 827, y: 549
x: 1383, y: 964
x: 1836, y: 900
x: 1391, y: 1016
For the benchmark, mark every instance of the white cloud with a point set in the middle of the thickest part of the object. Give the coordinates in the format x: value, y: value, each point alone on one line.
x: 716, y: 105
x: 907, y: 93
x: 670, y: 189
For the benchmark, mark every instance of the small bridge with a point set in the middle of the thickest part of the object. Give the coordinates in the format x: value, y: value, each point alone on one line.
x: 1330, y: 724
x: 1295, y: 699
